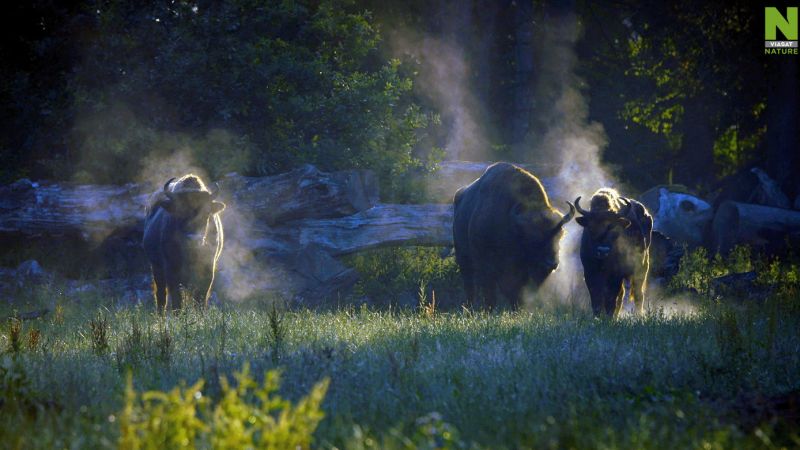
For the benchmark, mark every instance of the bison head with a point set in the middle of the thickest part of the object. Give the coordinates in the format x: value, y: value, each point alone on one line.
x: 191, y: 208
x: 604, y: 228
x: 541, y: 230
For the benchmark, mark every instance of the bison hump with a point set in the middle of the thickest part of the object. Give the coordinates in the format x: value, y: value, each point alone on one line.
x: 510, y: 182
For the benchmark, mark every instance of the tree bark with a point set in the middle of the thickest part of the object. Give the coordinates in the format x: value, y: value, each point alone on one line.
x: 381, y: 226
x: 762, y: 227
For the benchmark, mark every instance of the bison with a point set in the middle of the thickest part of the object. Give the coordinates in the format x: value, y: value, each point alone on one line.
x: 505, y: 233
x: 615, y: 250
x: 183, y: 240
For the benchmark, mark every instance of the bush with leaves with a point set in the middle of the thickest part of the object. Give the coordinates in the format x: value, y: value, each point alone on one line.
x: 247, y: 416
x: 386, y: 272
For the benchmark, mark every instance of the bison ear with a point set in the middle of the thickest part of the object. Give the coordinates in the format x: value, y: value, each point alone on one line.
x: 217, y: 207
x: 582, y: 221
x: 624, y: 223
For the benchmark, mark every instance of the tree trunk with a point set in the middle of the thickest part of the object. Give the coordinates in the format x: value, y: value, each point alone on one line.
x: 783, y: 126
x: 523, y: 62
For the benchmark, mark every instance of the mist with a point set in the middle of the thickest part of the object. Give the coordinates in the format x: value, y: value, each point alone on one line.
x: 443, y: 79
x: 571, y: 146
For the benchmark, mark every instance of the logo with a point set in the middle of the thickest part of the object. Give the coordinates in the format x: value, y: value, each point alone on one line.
x: 775, y: 21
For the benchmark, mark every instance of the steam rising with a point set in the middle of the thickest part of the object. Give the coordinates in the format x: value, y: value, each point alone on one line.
x: 443, y: 78
x: 571, y: 145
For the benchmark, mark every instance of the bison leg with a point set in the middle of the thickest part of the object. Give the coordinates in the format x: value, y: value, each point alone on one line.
x: 159, y: 289
x: 174, y: 292
x: 597, y: 292
x: 469, y: 285
x: 637, y: 292
x: 615, y: 291
x: 467, y: 275
x: 207, y: 293
x: 511, y: 286
x: 489, y: 288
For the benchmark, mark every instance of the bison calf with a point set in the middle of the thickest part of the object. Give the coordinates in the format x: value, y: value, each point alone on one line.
x: 505, y: 233
x: 615, y: 247
x: 183, y: 240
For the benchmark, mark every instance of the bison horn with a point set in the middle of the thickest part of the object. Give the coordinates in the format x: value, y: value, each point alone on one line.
x: 568, y: 216
x: 166, y: 185
x: 578, y: 207
x: 215, y: 191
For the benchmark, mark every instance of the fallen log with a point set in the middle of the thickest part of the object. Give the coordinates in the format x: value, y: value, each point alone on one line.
x: 381, y: 226
x: 89, y: 211
x: 677, y: 214
x: 763, y: 227
x: 303, y: 193
x: 93, y: 212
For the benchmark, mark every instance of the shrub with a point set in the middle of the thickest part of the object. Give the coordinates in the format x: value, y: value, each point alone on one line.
x: 246, y: 416
x: 17, y: 396
x: 387, y: 272
x: 697, y: 268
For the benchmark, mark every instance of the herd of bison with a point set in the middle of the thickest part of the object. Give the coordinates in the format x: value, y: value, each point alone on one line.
x: 506, y: 235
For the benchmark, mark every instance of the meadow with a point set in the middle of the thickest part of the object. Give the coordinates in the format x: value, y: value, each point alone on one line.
x: 547, y: 377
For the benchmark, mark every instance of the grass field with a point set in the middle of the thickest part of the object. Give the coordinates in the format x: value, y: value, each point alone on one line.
x: 416, y: 379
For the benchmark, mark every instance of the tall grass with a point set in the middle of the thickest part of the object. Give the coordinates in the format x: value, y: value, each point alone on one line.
x: 399, y: 379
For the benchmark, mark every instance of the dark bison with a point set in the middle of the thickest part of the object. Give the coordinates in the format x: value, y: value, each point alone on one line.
x: 505, y: 233
x: 183, y: 240
x: 615, y: 249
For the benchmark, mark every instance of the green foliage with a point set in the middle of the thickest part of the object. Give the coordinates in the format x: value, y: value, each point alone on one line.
x: 783, y: 277
x: 247, y: 416
x: 733, y: 151
x: 161, y: 419
x: 239, y: 85
x: 680, y: 87
x: 17, y: 394
x: 386, y: 273
x: 779, y: 279
x: 696, y: 268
